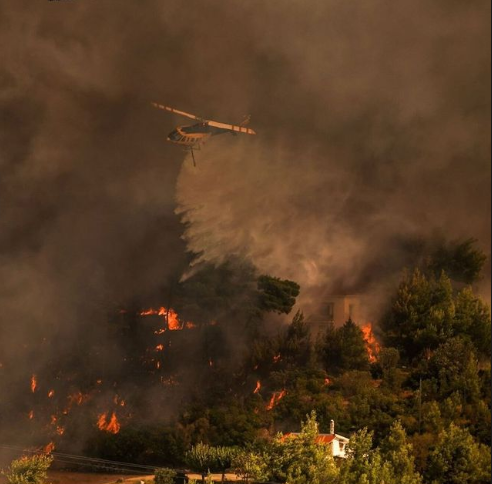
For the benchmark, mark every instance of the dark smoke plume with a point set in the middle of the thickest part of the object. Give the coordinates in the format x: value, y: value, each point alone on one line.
x: 373, y: 123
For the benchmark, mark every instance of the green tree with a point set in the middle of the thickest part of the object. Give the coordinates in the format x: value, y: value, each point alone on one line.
x: 296, y: 346
x: 454, y: 368
x: 460, y: 260
x: 364, y: 464
x: 421, y: 314
x: 426, y: 312
x: 345, y: 348
x: 224, y: 457
x: 28, y: 470
x: 250, y: 465
x: 398, y: 453
x: 164, y: 476
x: 472, y: 320
x: 277, y: 295
x: 458, y: 459
x: 201, y: 458
x: 301, y: 459
x: 388, y: 360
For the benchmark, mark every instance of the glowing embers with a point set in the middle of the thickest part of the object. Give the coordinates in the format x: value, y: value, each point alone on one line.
x: 275, y: 400
x: 34, y: 383
x: 112, y: 425
x: 119, y: 401
x: 258, y: 387
x: 372, y: 346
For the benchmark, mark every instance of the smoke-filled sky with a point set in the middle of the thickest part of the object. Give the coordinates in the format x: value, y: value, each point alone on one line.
x: 373, y: 123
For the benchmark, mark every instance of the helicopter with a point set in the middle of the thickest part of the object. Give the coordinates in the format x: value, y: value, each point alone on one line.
x: 192, y: 137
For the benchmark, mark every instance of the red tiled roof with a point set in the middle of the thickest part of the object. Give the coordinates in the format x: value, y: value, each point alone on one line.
x: 321, y: 439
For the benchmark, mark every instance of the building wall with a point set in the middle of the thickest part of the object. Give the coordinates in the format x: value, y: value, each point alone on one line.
x: 337, y: 309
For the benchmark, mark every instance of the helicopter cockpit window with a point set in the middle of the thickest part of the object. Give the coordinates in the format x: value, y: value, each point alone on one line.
x: 175, y: 136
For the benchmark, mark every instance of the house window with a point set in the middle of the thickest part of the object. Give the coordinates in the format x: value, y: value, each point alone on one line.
x: 351, y: 311
x: 330, y: 310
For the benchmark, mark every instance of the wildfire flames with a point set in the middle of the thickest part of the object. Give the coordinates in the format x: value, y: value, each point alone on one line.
x: 372, y: 345
x: 112, y: 425
x: 34, y: 383
x: 275, y: 400
x: 31, y: 414
x: 258, y: 387
x: 49, y: 448
x: 170, y: 317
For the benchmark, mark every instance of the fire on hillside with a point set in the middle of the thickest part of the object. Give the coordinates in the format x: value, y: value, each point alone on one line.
x: 372, y: 346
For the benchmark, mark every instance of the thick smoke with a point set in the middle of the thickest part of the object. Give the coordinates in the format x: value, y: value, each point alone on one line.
x: 372, y: 120
x: 378, y: 139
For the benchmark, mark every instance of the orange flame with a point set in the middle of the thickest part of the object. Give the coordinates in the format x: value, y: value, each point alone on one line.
x: 112, y: 425
x: 372, y: 346
x: 159, y: 347
x: 60, y: 430
x: 258, y: 387
x: 53, y: 419
x: 275, y: 400
x: 327, y: 381
x: 51, y: 393
x: 168, y: 315
x: 48, y: 449
x: 277, y: 358
x: 31, y: 414
x: 34, y: 383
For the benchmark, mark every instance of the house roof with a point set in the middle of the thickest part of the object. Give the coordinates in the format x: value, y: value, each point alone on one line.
x: 322, y: 438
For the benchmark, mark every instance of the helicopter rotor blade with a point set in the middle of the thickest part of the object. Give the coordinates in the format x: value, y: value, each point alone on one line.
x: 176, y: 111
x: 231, y: 127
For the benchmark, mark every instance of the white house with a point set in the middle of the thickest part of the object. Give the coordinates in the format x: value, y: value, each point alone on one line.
x: 338, y: 443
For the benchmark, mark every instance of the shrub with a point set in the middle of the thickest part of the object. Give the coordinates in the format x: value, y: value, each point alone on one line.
x: 28, y: 469
x: 164, y: 476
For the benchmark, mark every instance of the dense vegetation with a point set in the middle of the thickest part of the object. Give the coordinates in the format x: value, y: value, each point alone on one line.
x: 419, y: 413
x: 28, y: 470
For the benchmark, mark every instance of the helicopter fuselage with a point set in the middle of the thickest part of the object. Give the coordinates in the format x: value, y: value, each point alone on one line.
x: 194, y: 135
